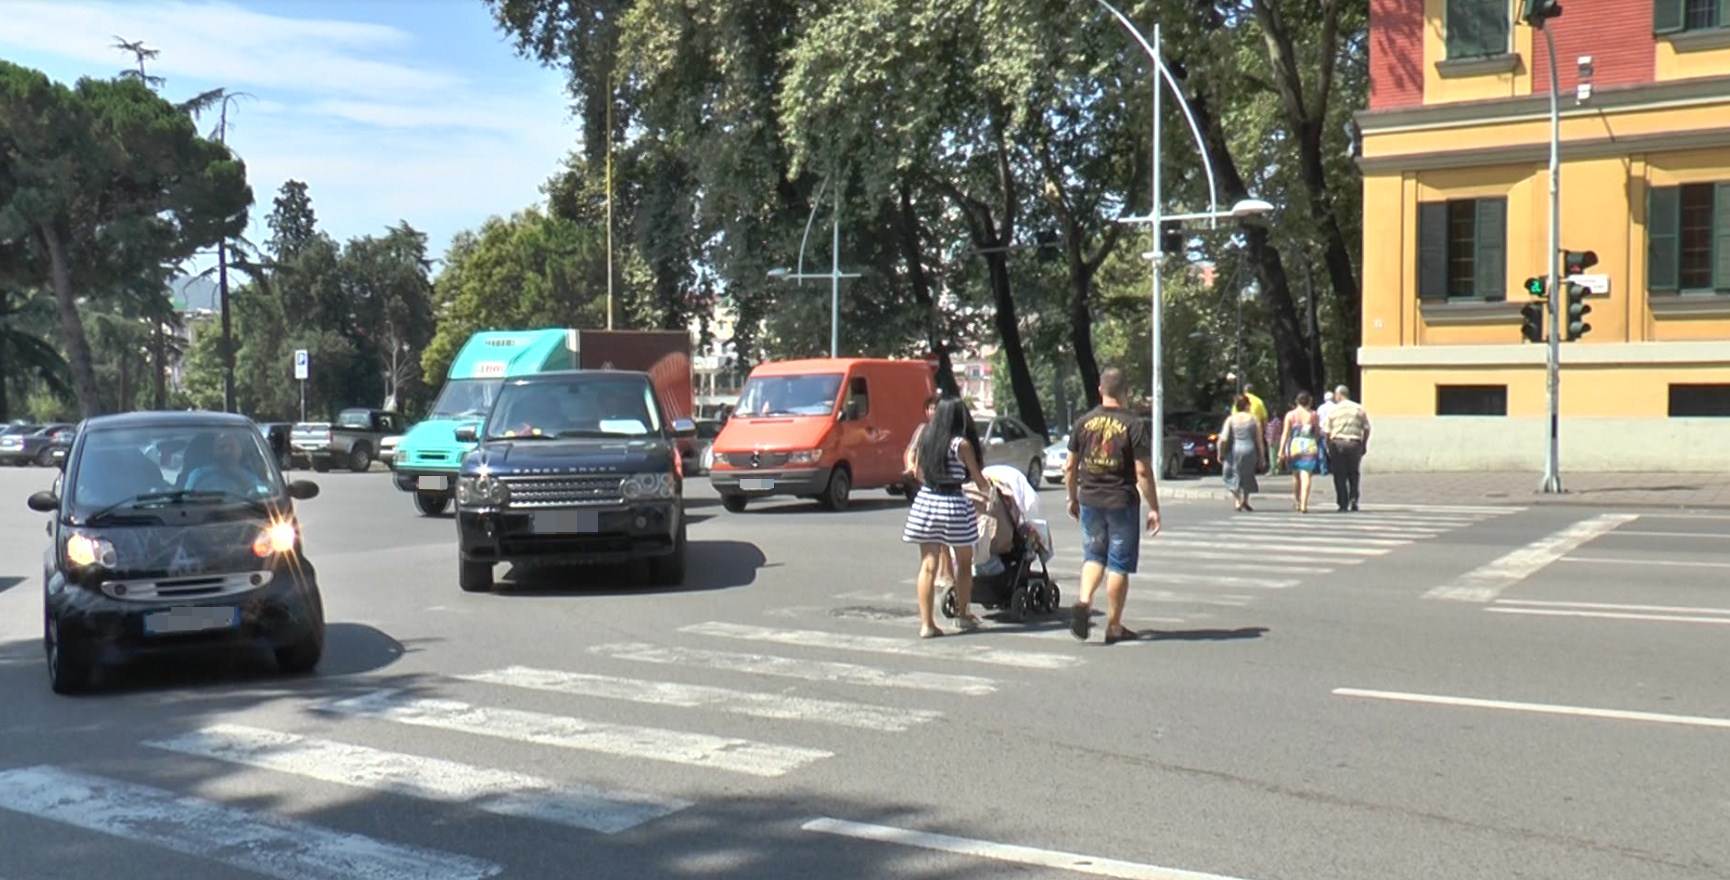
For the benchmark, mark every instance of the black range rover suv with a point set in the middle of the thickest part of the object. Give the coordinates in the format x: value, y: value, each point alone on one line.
x: 573, y: 467
x: 173, y: 530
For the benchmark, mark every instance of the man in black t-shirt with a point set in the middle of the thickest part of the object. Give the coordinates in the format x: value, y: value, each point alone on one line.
x: 1108, y: 473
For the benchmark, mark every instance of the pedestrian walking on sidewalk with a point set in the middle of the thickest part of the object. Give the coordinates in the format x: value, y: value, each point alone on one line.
x: 1348, y: 437
x: 1271, y: 431
x: 909, y: 462
x: 1300, y: 450
x: 1108, y: 475
x: 1322, y: 421
x: 1244, y: 449
x: 943, y: 520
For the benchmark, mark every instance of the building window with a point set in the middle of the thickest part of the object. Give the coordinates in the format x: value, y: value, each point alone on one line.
x: 1462, y: 246
x: 1477, y: 28
x: 1688, y: 238
x: 1699, y: 401
x: 1471, y: 400
x: 1671, y: 16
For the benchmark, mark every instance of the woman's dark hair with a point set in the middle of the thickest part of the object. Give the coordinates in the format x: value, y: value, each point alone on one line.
x: 1304, y: 399
x: 1242, y: 404
x: 931, y: 401
x: 949, y: 422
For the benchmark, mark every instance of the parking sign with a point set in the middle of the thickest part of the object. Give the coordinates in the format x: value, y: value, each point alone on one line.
x: 300, y: 364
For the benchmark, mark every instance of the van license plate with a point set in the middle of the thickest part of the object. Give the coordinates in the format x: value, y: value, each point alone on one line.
x: 432, y: 484
x: 567, y: 522
x: 185, y: 620
x: 756, y: 485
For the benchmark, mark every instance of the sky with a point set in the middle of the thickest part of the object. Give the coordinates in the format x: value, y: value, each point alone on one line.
x: 389, y: 110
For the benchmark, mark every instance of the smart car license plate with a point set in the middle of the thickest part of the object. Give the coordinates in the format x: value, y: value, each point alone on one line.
x: 757, y: 485
x: 567, y: 522
x: 185, y: 620
x: 432, y: 484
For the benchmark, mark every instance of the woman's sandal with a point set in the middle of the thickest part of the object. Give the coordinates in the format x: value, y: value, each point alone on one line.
x: 967, y: 623
x: 930, y: 632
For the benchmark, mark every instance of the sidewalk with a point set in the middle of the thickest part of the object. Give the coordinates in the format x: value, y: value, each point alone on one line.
x: 1699, y: 490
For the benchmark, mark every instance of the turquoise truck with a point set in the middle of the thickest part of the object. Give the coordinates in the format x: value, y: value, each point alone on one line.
x: 428, y: 457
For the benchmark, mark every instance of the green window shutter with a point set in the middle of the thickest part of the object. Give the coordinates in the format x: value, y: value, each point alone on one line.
x: 1433, y: 251
x: 1476, y: 28
x: 1721, y: 237
x: 1663, y: 237
x: 1490, y: 250
x: 1667, y: 16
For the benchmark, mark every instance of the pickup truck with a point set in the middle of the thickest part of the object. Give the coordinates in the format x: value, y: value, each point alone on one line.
x: 352, y: 441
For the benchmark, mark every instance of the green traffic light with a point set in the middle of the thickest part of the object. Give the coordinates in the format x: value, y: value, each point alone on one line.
x: 1535, y: 287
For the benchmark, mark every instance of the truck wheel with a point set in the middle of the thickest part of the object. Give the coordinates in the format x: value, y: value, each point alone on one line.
x: 320, y: 465
x: 432, y: 503
x: 840, y: 490
x: 734, y: 503
x: 669, y: 570
x: 67, y: 672
x: 360, y: 459
x: 474, y: 577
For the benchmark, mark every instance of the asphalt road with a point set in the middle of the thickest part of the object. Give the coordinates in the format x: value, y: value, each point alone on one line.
x: 1408, y: 692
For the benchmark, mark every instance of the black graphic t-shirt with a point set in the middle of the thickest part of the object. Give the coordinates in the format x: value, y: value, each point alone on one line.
x: 1105, y: 444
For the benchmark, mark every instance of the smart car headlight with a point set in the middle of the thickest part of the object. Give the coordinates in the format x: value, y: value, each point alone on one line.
x: 278, y: 537
x: 83, y: 551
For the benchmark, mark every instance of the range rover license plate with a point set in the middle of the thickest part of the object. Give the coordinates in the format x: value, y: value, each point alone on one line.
x: 432, y: 484
x: 567, y: 522
x: 757, y: 485
x: 185, y: 620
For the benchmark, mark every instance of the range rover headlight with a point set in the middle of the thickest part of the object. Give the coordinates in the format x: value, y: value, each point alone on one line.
x: 483, y: 491
x: 643, y: 487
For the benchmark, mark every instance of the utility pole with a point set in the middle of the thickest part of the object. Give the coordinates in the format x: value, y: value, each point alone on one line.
x: 1535, y: 13
x: 609, y: 200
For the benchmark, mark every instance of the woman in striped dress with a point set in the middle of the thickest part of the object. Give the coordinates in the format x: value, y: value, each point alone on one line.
x: 943, y: 519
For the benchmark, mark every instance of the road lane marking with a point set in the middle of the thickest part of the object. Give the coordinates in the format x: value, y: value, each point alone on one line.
x: 1206, y: 557
x: 1315, y: 550
x: 1618, y: 560
x: 624, y: 740
x: 263, y: 844
x: 1650, y: 534
x: 1486, y: 582
x: 1609, y: 606
x: 1225, y: 562
x: 500, y: 792
x: 1004, y: 852
x: 1540, y: 708
x: 1609, y: 615
x: 1250, y: 537
x: 958, y: 649
x: 1335, y: 526
x: 791, y: 667
x: 666, y: 693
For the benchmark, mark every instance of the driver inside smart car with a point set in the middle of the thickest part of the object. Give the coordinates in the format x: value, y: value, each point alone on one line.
x: 226, y: 466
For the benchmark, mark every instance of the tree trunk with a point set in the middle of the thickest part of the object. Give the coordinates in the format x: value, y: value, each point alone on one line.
x: 1009, y: 332
x: 907, y: 237
x: 1081, y: 325
x: 5, y: 375
x: 71, y: 327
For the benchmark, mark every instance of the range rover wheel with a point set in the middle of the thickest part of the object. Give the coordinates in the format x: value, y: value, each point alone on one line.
x: 840, y: 490
x: 735, y: 503
x: 67, y: 672
x: 669, y: 570
x: 474, y: 577
x: 432, y: 503
x: 360, y: 459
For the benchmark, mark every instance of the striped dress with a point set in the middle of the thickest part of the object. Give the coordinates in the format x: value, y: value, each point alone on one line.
x: 944, y: 516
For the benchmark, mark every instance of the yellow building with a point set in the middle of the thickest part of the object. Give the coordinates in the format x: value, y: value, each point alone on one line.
x: 1455, y: 150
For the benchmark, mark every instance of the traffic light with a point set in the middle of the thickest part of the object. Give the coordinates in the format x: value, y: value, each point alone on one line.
x: 1536, y: 12
x: 1535, y: 288
x: 1578, y: 309
x: 1532, y: 322
x: 1576, y: 263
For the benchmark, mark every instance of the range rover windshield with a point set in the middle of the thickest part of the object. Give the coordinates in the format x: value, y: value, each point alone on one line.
x: 466, y: 399
x: 132, y: 471
x: 812, y: 395
x: 580, y: 406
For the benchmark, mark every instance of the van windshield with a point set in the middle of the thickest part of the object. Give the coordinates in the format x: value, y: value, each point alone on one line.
x: 466, y: 399
x: 812, y: 395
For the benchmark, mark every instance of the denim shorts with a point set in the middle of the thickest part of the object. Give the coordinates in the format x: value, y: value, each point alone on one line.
x: 1112, y: 537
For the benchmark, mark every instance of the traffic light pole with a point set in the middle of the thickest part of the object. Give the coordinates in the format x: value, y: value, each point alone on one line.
x: 1552, y: 468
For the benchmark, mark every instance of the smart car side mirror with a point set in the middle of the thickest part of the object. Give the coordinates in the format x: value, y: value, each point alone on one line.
x: 684, y: 428
x: 468, y: 434
x: 44, y: 502
x: 302, y: 490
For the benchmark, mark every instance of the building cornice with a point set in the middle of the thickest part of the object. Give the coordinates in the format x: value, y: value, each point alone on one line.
x: 1539, y: 152
x: 1686, y: 92
x: 1522, y: 355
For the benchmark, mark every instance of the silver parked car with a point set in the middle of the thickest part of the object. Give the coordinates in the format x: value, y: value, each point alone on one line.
x: 1008, y: 441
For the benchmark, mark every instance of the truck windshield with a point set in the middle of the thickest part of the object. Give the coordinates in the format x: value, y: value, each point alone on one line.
x: 812, y: 395
x: 466, y: 399
x: 585, y: 406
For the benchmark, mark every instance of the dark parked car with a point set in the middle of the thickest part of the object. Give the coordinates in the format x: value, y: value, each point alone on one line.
x: 143, y: 559
x: 1198, y: 433
x: 33, y: 444
x: 572, y: 467
x: 279, y: 437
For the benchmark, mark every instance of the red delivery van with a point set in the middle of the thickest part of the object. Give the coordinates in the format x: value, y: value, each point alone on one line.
x: 820, y: 429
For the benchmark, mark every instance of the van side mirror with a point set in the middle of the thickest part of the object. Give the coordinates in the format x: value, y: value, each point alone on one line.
x: 468, y: 434
x: 302, y: 490
x: 44, y: 502
x: 684, y: 428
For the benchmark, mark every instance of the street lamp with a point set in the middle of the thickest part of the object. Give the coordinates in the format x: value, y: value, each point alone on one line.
x: 834, y: 274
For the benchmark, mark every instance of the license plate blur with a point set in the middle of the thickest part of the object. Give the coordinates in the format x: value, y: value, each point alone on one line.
x: 756, y: 485
x: 431, y: 484
x: 185, y: 620
x: 567, y: 522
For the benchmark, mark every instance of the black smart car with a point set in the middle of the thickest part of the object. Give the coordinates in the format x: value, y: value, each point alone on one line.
x: 572, y: 467
x: 156, y: 551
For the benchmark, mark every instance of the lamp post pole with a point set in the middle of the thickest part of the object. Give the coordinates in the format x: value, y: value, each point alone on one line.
x: 834, y: 274
x: 1552, y: 452
x: 1155, y: 328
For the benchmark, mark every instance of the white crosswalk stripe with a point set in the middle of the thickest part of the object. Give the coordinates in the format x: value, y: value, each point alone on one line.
x: 1247, y: 537
x: 250, y: 841
x: 665, y: 693
x: 940, y: 649
x: 1239, y: 547
x: 797, y: 668
x: 494, y: 791
x: 1344, y: 531
x: 650, y: 743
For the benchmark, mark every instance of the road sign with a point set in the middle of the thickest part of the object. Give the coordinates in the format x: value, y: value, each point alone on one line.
x: 1599, y: 284
x: 300, y: 364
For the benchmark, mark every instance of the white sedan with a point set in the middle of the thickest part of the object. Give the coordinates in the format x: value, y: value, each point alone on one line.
x: 1055, y: 457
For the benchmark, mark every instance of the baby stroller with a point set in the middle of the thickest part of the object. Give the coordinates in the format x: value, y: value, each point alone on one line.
x: 1014, y: 575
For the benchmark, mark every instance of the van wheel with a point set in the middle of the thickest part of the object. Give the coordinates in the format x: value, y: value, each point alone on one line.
x: 474, y: 577
x: 734, y: 503
x: 432, y: 503
x: 840, y: 490
x: 68, y: 673
x: 360, y: 459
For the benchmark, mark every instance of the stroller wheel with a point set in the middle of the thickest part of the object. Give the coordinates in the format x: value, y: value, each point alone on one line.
x: 948, y: 603
x: 1053, y: 598
x: 1020, y: 603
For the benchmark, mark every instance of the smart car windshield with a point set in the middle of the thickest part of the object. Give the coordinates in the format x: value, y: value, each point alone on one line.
x: 121, y: 469
x: 466, y: 399
x: 581, y: 406
x: 812, y: 395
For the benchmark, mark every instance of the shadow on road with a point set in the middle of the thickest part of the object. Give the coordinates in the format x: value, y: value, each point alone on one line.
x: 783, y: 507
x: 711, y: 565
x: 1203, y: 635
x: 7, y: 583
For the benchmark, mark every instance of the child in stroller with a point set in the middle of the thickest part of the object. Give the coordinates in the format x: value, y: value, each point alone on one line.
x: 1009, y: 565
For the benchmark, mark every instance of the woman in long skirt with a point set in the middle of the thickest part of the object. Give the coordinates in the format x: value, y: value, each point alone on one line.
x: 942, y: 519
x: 1248, y: 450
